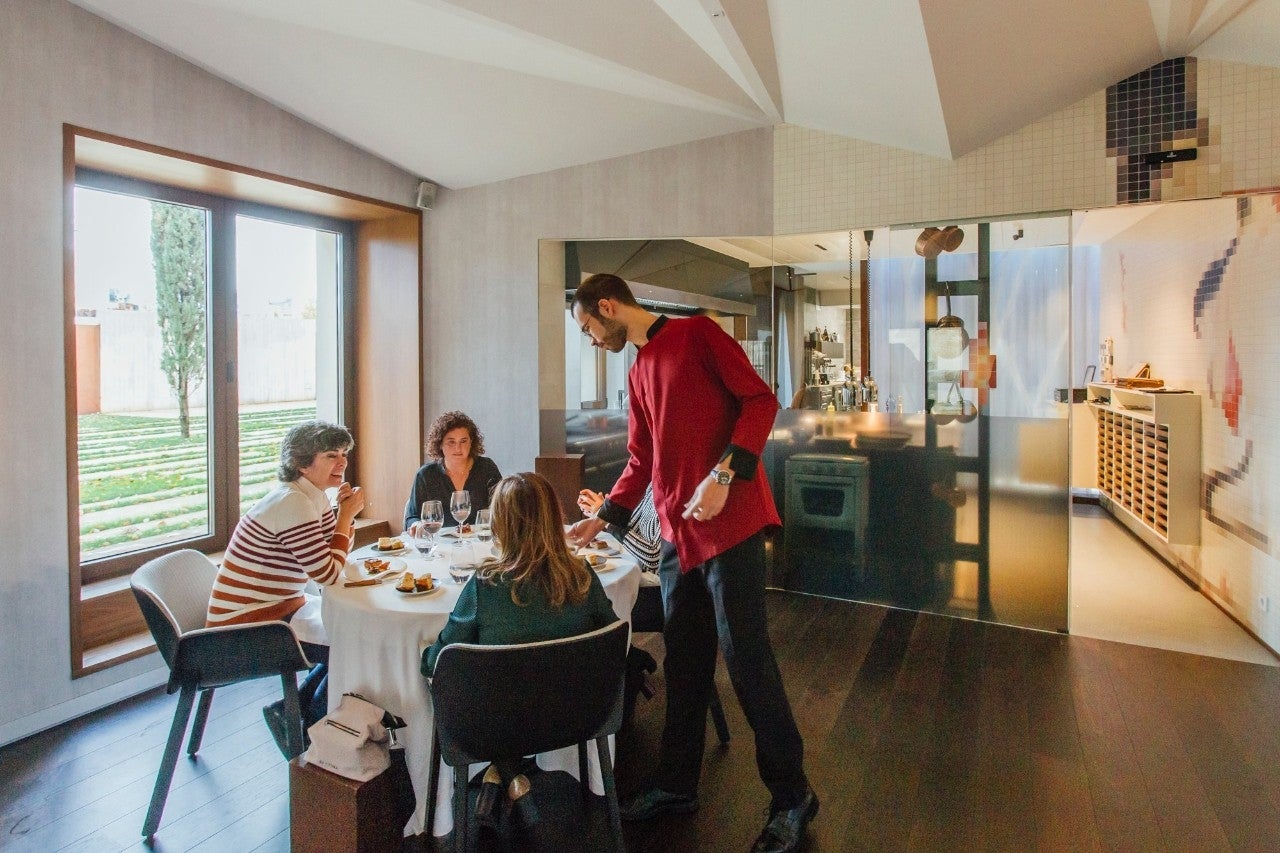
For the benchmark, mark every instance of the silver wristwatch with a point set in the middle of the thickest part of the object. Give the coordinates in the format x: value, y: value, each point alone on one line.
x: 722, y: 477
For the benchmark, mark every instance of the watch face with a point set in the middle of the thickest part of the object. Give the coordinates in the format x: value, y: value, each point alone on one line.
x: 724, y: 478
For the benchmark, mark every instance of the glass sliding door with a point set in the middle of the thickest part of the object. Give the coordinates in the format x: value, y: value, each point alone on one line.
x: 288, y: 331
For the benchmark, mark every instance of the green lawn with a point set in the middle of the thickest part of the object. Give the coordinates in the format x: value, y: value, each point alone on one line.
x: 142, y: 484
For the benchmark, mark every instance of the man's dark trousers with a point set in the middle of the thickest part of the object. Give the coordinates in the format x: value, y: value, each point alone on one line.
x: 724, y: 598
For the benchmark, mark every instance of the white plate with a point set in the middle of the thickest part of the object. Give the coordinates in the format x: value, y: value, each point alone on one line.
x: 439, y: 587
x: 375, y: 551
x: 355, y: 571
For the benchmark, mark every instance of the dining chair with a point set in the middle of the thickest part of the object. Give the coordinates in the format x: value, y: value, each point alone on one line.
x: 502, y: 703
x: 173, y: 593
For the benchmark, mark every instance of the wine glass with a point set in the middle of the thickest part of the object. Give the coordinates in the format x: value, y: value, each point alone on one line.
x: 431, y: 520
x: 460, y: 506
x: 484, y: 524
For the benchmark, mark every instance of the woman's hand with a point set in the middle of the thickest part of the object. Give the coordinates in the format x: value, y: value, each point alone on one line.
x: 350, y: 502
x: 590, y: 502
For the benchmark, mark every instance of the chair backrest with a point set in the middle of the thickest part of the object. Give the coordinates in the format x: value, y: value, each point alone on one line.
x: 505, y: 702
x: 173, y: 593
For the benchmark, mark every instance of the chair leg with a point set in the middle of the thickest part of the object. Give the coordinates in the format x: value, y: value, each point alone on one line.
x: 610, y: 791
x: 433, y: 783
x: 202, y: 717
x: 461, y: 823
x: 165, y: 777
x: 292, y: 713
x: 717, y: 716
x: 584, y: 772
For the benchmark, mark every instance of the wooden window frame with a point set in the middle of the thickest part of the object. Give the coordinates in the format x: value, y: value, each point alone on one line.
x: 226, y: 189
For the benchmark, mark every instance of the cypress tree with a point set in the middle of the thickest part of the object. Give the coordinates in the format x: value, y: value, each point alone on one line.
x: 179, y: 256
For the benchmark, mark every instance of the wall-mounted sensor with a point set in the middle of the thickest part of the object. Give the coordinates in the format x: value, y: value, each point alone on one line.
x: 1176, y: 155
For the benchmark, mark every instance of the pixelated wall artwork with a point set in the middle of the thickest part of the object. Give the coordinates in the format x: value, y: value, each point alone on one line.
x: 1231, y: 316
x: 1156, y: 112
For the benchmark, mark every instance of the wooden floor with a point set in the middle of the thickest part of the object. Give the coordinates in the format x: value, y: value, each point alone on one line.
x: 921, y: 732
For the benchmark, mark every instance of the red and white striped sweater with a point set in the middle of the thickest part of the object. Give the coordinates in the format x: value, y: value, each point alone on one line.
x: 286, y: 538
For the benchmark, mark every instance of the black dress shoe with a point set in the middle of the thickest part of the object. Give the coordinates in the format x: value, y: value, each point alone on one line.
x: 656, y: 802
x: 785, y: 829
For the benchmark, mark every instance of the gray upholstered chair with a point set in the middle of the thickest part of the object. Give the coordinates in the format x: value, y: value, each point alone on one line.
x: 173, y: 593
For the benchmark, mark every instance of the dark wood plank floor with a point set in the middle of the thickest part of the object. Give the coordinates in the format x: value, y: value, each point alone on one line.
x: 922, y: 733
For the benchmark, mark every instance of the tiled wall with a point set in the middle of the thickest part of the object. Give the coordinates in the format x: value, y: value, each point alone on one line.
x: 826, y: 182
x: 1191, y: 290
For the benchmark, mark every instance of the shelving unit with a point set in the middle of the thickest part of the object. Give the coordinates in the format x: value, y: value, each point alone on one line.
x: 1149, y: 460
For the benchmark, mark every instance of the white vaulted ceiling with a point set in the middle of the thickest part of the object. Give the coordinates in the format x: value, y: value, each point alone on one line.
x: 467, y: 92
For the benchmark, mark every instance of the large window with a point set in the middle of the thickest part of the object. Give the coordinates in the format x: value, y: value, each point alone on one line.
x: 204, y: 328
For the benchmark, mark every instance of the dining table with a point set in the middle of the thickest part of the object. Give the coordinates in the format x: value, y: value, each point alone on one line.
x: 377, y: 635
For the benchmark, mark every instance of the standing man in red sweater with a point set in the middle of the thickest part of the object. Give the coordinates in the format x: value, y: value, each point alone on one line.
x: 699, y: 419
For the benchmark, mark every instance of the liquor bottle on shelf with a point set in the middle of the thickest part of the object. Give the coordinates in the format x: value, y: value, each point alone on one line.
x: 825, y: 335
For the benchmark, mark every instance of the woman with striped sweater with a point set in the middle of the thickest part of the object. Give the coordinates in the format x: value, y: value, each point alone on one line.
x: 289, y: 537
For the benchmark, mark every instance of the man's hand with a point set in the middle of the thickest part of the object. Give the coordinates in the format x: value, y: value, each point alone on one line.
x: 590, y: 502
x: 707, y: 501
x: 584, y: 531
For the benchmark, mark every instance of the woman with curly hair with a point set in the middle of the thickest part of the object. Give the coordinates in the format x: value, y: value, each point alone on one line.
x: 455, y: 447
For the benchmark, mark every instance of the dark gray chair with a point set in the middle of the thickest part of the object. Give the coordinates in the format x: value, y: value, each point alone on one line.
x: 173, y: 593
x: 502, y: 703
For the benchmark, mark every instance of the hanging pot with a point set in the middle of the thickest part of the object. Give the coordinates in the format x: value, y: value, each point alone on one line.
x: 928, y: 244
x: 950, y: 238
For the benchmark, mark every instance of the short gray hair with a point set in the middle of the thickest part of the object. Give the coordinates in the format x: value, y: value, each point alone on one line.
x: 304, y: 442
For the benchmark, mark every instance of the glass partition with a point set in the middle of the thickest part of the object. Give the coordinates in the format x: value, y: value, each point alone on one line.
x: 919, y: 459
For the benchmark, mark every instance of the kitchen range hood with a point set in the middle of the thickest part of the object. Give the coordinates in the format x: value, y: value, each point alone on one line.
x: 673, y: 276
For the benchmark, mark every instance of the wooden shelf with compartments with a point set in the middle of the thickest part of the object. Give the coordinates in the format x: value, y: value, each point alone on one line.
x: 1149, y: 459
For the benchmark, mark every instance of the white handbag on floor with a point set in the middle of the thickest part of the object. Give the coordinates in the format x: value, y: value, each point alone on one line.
x: 353, y: 740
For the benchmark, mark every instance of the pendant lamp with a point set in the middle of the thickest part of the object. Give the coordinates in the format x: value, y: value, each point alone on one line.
x: 949, y: 337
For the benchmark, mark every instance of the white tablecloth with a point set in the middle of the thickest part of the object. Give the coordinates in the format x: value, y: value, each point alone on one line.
x: 376, y: 637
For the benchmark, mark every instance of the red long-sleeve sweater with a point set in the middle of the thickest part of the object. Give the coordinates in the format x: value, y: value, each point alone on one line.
x: 694, y: 395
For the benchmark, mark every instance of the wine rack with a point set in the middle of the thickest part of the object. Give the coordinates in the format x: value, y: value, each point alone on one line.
x: 1149, y: 459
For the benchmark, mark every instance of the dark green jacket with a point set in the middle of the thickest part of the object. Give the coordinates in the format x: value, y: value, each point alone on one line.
x: 485, y: 614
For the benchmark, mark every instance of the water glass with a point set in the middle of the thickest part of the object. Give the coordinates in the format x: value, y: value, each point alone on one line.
x: 484, y: 525
x: 462, y: 562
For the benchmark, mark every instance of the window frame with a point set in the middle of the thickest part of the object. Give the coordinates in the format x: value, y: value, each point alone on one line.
x: 222, y: 368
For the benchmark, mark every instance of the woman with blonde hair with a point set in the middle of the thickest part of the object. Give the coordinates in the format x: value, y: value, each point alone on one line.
x: 535, y: 590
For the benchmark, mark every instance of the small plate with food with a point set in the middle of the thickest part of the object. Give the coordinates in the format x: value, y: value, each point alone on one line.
x: 417, y: 585
x: 600, y: 563
x: 371, y: 568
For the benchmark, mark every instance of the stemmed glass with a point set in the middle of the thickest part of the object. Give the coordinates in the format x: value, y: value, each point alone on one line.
x: 484, y: 524
x: 432, y: 519
x: 460, y: 506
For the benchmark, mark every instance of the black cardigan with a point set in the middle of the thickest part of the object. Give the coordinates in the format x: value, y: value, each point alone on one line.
x: 432, y: 483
